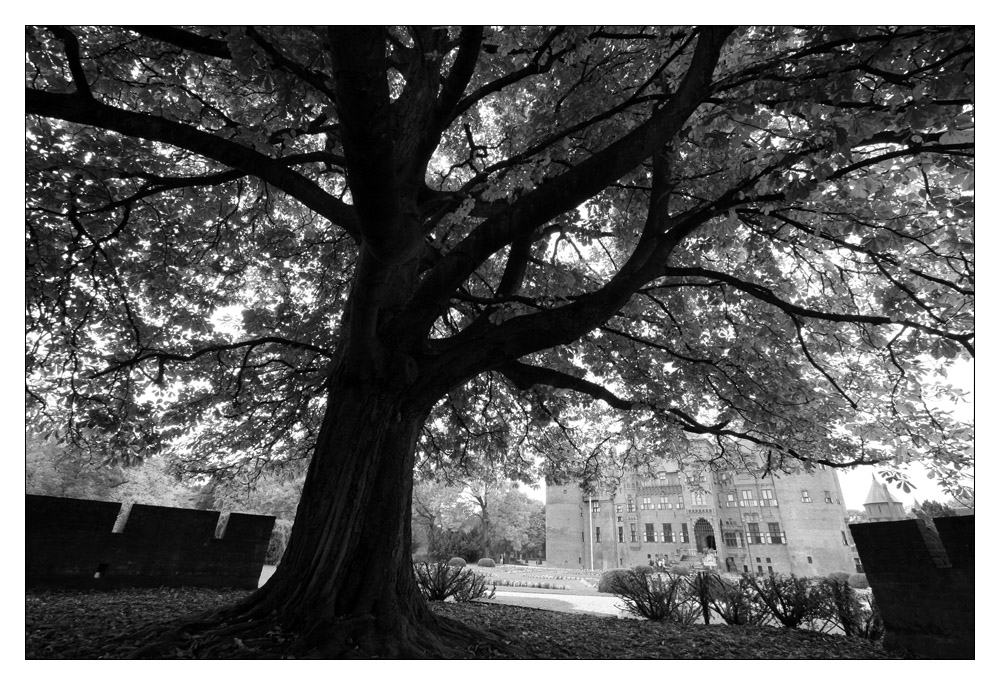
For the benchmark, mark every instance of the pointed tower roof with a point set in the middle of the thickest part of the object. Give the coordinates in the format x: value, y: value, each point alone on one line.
x: 879, y: 493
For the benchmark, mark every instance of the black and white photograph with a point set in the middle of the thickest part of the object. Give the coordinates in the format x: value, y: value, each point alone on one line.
x: 500, y: 342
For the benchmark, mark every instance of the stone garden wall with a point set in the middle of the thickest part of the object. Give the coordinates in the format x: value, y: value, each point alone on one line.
x: 72, y: 542
x: 924, y: 583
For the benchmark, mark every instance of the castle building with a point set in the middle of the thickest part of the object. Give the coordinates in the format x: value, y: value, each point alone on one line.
x: 880, y: 505
x: 732, y: 521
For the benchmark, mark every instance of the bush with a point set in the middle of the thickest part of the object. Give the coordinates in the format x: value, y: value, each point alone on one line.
x: 611, y: 580
x: 839, y: 576
x: 679, y: 570
x: 657, y: 597
x: 841, y: 605
x: 738, y: 603
x: 791, y: 600
x: 704, y: 588
x: 643, y: 569
x: 439, y: 581
x: 279, y: 541
x: 456, y: 561
x: 858, y: 581
x: 487, y: 562
x: 871, y: 621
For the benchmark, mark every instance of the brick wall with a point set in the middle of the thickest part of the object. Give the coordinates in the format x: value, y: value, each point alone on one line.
x: 923, y: 583
x: 70, y: 542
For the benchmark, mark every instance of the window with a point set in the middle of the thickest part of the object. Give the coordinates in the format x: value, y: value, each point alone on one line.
x: 747, y: 498
x: 621, y: 534
x: 698, y: 499
x: 662, y: 475
x: 650, y: 535
x: 767, y: 498
x: 632, y: 535
x: 680, y: 501
x: 618, y: 508
x: 767, y: 560
x: 805, y: 496
x: 826, y: 497
x: 630, y: 505
x: 774, y: 532
x: 664, y: 503
x: 844, y: 536
x: 730, y: 499
x: 684, y: 533
x: 770, y: 570
x: 760, y: 570
x: 647, y: 503
x: 809, y: 559
x: 668, y: 533
x: 595, y: 506
x: 753, y: 534
x: 597, y: 534
x: 732, y: 538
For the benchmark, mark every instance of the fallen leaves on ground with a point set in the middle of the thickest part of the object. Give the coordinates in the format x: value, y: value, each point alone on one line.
x: 102, y: 625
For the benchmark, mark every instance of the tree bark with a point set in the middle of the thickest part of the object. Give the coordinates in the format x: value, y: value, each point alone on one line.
x: 346, y: 582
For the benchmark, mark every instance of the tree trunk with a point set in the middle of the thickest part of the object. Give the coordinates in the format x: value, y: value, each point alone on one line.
x: 345, y: 586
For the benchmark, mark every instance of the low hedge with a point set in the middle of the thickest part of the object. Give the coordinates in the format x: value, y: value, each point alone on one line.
x: 487, y: 562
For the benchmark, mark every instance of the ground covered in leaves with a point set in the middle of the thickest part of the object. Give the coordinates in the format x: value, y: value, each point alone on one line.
x: 102, y: 625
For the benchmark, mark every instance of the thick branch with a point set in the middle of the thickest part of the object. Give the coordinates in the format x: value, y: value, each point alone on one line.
x: 273, y: 171
x: 186, y: 40
x: 569, y: 189
x: 526, y: 375
x: 367, y: 136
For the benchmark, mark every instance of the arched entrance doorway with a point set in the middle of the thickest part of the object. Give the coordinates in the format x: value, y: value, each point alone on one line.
x: 704, y: 535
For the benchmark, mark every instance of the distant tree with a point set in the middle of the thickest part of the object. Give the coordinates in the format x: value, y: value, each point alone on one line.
x: 928, y: 510
x: 270, y: 494
x: 63, y: 470
x: 534, y: 546
x: 439, y: 508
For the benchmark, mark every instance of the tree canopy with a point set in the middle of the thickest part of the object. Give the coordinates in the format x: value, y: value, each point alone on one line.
x: 380, y: 249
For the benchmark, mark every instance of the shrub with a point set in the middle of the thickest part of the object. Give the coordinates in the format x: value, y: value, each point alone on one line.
x: 839, y: 576
x: 657, y: 597
x: 704, y: 588
x: 871, y: 625
x: 791, y: 600
x: 279, y: 541
x: 643, y: 569
x: 456, y: 561
x: 439, y: 581
x: 487, y: 562
x: 611, y: 580
x: 841, y: 605
x: 858, y: 581
x: 738, y: 603
x: 679, y: 570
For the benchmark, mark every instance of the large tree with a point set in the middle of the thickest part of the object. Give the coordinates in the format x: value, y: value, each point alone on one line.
x: 360, y: 245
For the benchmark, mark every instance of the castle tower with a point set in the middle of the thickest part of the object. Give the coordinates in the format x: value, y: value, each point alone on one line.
x: 880, y: 505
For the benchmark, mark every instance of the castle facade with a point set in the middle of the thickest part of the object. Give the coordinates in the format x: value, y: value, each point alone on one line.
x: 730, y: 521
